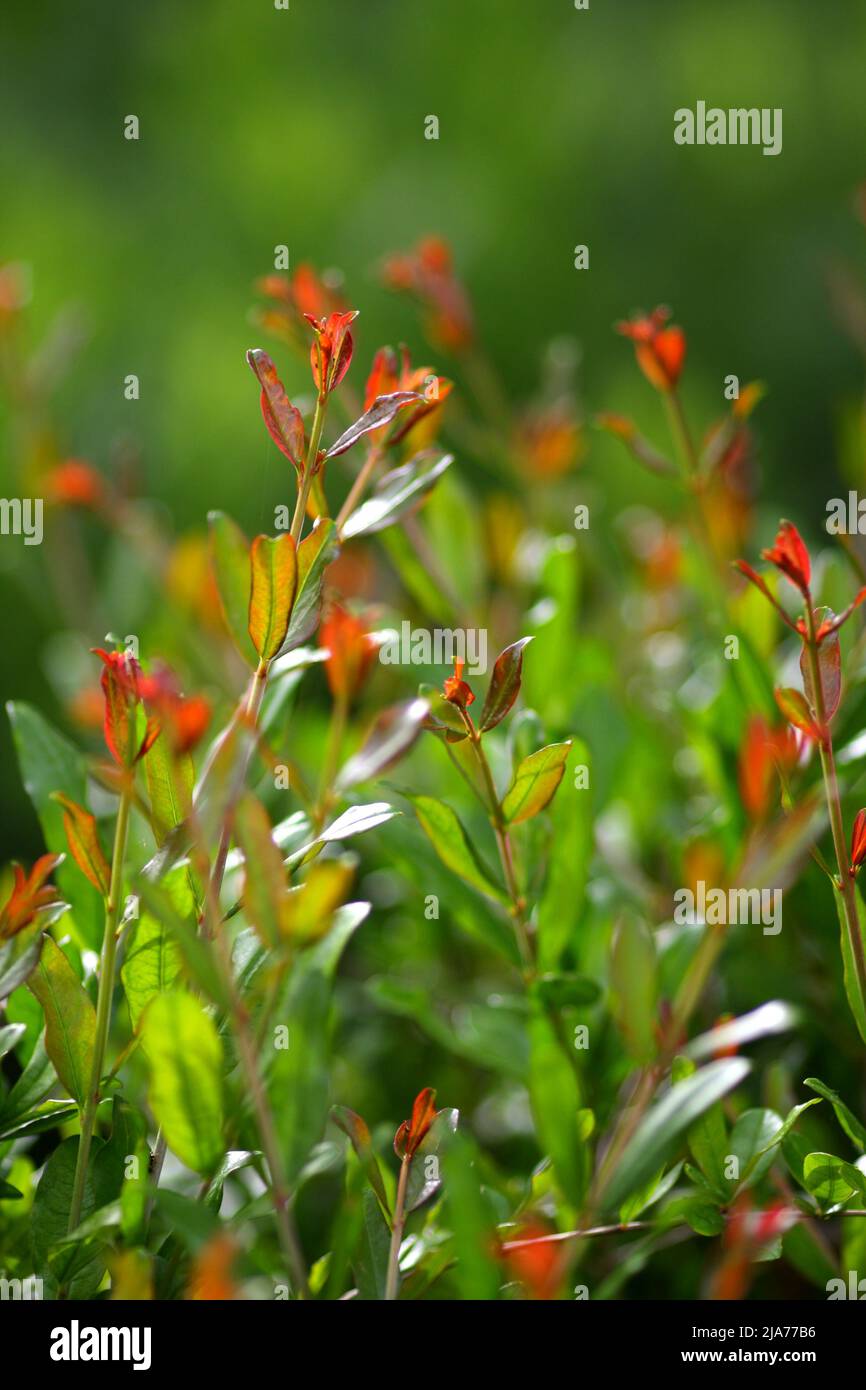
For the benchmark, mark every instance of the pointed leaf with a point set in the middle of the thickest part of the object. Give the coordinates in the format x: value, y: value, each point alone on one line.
x: 829, y: 670
x: 153, y: 962
x: 847, y: 1119
x: 359, y: 1134
x: 265, y: 885
x: 397, y: 493
x: 392, y: 734
x: 442, y: 827
x: 274, y: 576
x: 793, y: 706
x: 383, y: 410
x: 70, y: 1019
x: 315, y: 553
x: 504, y: 685
x: 184, y: 1055
x: 83, y: 839
x: 284, y: 422
x: 230, y: 561
x: 535, y: 782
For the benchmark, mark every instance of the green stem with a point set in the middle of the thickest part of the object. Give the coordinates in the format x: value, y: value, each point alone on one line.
x: 309, y: 467
x: 834, y: 805
x: 393, y: 1275
x: 103, y: 1005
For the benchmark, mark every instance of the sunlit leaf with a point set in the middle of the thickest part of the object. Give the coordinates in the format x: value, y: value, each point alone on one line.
x: 535, y: 782
x: 847, y: 1119
x: 83, y: 839
x: 70, y: 1019
x: 504, y: 685
x: 383, y: 409
x: 397, y: 493
x: 445, y: 832
x: 153, y: 961
x: 315, y: 553
x: 391, y: 736
x: 184, y: 1056
x: 274, y: 576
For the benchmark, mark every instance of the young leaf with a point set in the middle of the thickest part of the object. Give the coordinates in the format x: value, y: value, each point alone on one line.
x: 356, y: 821
x: 397, y: 493
x: 829, y: 671
x: 383, y: 410
x: 443, y: 829
x: 70, y: 1019
x: 230, y: 561
x: 274, y: 577
x: 184, y: 1056
x: 535, y: 782
x: 504, y: 685
x: 18, y: 960
x: 392, y: 734
x: 83, y: 838
x: 356, y: 1128
x: 284, y: 422
x: 793, y: 706
x: 831, y: 1180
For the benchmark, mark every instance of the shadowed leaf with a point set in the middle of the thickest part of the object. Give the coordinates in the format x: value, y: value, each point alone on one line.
x: 504, y: 685
x: 383, y: 409
x: 393, y: 733
x: 397, y: 493
x: 230, y: 561
x: 274, y: 576
x: 70, y: 1019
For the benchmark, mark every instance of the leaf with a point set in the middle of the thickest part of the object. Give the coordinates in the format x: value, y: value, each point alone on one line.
x: 829, y: 671
x: 794, y: 708
x: 453, y: 846
x: 391, y: 736
x: 567, y: 991
x: 754, y: 1139
x: 670, y: 1117
x: 765, y: 1021
x: 359, y: 1135
x: 18, y: 959
x: 10, y: 1037
x: 425, y: 1178
x: 169, y: 788
x: 847, y: 1119
x: 555, y: 1098
x: 230, y: 561
x: 196, y: 950
x: 788, y: 1123
x: 49, y: 763
x: 314, y: 554
x: 83, y: 1269
x: 70, y: 1019
x: 381, y: 412
x: 563, y: 895
x: 708, y: 1142
x: 504, y: 685
x: 265, y: 884
x: 83, y: 838
x: 274, y: 577
x: 831, y: 1180
x: 535, y: 782
x: 154, y: 961
x: 856, y: 999
x: 634, y: 986
x: 34, y: 1083
x: 184, y: 1056
x: 284, y: 422
x: 397, y: 493
x: 470, y: 1215
x: 356, y: 821
x: 370, y: 1260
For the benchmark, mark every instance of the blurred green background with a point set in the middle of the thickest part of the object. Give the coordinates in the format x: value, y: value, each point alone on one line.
x: 306, y: 127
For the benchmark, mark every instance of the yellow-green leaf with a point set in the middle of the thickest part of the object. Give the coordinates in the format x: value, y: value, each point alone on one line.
x: 70, y: 1019
x: 184, y: 1055
x: 230, y: 561
x: 535, y: 782
x: 83, y: 839
x: 274, y: 576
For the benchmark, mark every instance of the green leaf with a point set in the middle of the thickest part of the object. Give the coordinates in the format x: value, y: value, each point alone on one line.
x: 230, y: 561
x: 32, y: 1086
x: 754, y: 1138
x: 359, y: 1135
x: 708, y: 1142
x: 397, y: 493
x: 184, y: 1056
x: 169, y: 787
x: 563, y: 895
x: 504, y: 685
x: 297, y: 1077
x: 70, y: 1019
x: 831, y: 1180
x: 634, y: 987
x: 451, y: 842
x: 18, y: 959
x: 391, y: 736
x: 567, y: 991
x: 274, y: 578
x: 425, y: 1178
x: 370, y: 1260
x: 535, y: 782
x: 661, y: 1128
x: 788, y: 1123
x: 847, y: 1119
x: 315, y: 553
x: 81, y: 1270
x: 50, y: 763
x: 265, y: 882
x: 856, y: 1000
x: 10, y: 1036
x: 154, y: 961
x: 470, y: 1215
x: 555, y: 1098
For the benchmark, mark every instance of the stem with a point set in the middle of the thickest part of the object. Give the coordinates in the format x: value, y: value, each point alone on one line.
x: 834, y: 806
x: 503, y: 844
x: 397, y: 1232
x: 339, y: 714
x: 309, y: 465
x: 103, y: 1005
